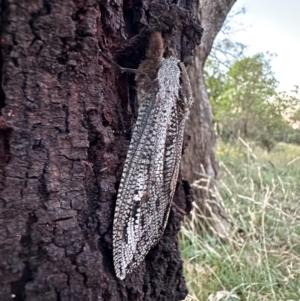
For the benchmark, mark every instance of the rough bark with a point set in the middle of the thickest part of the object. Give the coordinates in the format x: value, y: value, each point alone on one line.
x: 61, y: 157
x: 199, y: 163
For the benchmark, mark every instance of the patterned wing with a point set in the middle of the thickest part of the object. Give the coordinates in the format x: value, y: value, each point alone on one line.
x: 143, y: 202
x: 175, y: 134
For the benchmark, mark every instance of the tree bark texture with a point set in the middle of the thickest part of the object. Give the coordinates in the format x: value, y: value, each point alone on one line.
x: 61, y: 156
x: 199, y: 163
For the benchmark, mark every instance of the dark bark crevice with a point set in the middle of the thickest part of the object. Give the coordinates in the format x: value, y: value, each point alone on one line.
x: 18, y: 287
x: 2, y: 94
x: 5, y: 130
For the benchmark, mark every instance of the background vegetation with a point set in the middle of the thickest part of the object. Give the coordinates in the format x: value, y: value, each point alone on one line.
x: 261, y: 261
x: 246, y: 103
x: 258, y: 151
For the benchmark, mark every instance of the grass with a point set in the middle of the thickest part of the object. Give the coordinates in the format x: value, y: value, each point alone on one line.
x: 261, y: 261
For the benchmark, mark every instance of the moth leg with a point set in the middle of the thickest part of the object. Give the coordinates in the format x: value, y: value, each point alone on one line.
x: 186, y: 89
x: 122, y: 69
x: 179, y: 209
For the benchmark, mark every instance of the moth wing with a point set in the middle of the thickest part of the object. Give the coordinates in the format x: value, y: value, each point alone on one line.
x: 175, y: 135
x: 172, y: 163
x: 143, y: 201
x: 133, y: 194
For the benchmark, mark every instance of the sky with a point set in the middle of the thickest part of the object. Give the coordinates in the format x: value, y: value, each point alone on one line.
x: 272, y: 26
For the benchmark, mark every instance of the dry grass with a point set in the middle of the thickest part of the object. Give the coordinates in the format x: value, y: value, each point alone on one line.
x: 261, y: 261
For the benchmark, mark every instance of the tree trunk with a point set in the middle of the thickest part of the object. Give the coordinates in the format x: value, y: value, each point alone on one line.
x: 199, y: 163
x: 64, y: 110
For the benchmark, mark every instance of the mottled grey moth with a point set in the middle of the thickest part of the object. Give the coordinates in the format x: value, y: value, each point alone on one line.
x: 153, y: 160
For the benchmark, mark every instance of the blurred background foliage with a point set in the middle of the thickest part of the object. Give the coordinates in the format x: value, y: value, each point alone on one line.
x: 245, y: 100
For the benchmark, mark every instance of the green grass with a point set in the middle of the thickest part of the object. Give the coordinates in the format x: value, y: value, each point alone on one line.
x: 261, y: 261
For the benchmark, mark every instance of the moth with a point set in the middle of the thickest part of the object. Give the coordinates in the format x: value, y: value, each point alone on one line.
x: 152, y: 164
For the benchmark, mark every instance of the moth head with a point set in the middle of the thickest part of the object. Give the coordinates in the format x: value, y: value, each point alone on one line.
x: 156, y: 46
x: 170, y: 52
